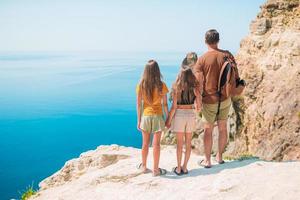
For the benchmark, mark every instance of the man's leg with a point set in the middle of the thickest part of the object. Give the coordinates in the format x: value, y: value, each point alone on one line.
x: 222, y: 125
x: 208, y: 129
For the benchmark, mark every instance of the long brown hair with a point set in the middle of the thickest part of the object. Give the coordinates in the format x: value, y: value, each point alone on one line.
x: 185, y: 82
x: 151, y: 80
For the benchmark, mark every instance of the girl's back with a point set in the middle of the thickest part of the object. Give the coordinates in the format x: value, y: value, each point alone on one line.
x: 151, y: 94
x: 153, y: 107
x: 187, y: 97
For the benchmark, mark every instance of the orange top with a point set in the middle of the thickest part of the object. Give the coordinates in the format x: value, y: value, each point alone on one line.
x: 154, y: 108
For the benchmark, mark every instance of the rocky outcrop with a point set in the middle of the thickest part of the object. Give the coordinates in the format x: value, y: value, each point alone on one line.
x: 269, y: 60
x: 109, y: 172
x: 73, y: 169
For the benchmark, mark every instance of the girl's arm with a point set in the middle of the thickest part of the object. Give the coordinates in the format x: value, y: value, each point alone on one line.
x: 165, y: 105
x: 198, y: 100
x: 138, y: 108
x: 172, y: 110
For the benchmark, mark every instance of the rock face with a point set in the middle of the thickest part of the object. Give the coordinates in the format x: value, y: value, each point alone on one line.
x: 109, y: 172
x: 269, y: 60
x: 266, y: 121
x: 73, y: 169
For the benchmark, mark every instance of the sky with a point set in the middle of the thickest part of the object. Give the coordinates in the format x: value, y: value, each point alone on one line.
x: 122, y: 25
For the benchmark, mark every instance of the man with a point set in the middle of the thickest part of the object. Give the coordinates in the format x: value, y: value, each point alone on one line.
x: 207, y: 70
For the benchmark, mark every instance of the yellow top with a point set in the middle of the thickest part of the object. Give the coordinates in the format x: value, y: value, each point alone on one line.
x: 154, y: 108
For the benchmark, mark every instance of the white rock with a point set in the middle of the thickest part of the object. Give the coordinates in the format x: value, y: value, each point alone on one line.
x: 248, y: 179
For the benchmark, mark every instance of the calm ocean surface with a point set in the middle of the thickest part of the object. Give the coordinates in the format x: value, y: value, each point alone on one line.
x: 54, y: 106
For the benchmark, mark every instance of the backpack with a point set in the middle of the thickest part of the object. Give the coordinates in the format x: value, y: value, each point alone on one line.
x: 229, y: 84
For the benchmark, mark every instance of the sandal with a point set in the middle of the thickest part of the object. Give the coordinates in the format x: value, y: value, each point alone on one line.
x: 218, y: 161
x: 185, y: 172
x: 175, y: 171
x: 221, y: 162
x: 140, y: 167
x: 203, y: 165
x: 161, y: 172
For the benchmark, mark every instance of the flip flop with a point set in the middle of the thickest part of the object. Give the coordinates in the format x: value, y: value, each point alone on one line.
x: 203, y: 165
x: 221, y: 162
x: 185, y: 173
x: 139, y: 166
x: 178, y: 174
x: 161, y: 172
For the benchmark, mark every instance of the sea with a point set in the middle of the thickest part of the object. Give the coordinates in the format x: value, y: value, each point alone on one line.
x: 56, y: 105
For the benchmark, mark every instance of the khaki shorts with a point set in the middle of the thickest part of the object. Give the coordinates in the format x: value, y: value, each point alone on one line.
x: 209, y: 111
x: 152, y: 123
x: 184, y: 121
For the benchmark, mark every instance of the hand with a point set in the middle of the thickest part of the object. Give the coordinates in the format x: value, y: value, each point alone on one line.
x: 139, y: 126
x: 168, y: 124
x: 198, y: 109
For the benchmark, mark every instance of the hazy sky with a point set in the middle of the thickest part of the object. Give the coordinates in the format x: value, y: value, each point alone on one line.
x: 122, y: 25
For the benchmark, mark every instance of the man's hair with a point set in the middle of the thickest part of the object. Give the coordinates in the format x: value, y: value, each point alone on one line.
x: 212, y: 36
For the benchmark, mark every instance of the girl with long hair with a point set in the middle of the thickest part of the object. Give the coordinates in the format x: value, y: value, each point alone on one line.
x: 151, y: 102
x: 186, y: 101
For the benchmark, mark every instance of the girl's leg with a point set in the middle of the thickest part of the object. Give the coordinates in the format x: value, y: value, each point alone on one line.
x: 145, y: 149
x: 188, y: 149
x: 179, y: 138
x: 156, y: 152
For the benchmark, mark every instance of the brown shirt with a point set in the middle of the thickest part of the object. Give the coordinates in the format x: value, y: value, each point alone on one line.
x: 207, y: 69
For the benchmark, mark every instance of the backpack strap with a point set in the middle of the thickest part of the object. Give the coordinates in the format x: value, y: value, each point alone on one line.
x: 223, y: 78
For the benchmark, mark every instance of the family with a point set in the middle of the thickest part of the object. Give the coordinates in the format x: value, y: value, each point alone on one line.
x: 204, y: 85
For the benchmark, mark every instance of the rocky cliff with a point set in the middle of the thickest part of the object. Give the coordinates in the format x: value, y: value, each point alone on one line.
x: 269, y: 60
x: 265, y: 121
x: 109, y: 172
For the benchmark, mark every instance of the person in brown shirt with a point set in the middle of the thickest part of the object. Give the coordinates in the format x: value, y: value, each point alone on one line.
x: 207, y: 71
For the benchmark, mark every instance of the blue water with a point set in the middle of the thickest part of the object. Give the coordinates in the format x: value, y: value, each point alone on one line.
x: 53, y: 106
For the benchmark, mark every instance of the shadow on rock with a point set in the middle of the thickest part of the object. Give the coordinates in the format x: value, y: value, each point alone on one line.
x: 214, y: 170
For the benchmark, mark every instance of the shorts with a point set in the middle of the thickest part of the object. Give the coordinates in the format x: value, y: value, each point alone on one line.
x: 152, y: 123
x: 184, y: 121
x: 209, y: 111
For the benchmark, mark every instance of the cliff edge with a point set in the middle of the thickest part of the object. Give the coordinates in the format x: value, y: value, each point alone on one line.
x: 109, y: 172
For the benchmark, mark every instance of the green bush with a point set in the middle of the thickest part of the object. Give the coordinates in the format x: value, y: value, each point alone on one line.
x: 29, y: 192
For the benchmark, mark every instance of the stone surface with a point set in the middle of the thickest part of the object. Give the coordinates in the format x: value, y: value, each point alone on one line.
x: 109, y: 172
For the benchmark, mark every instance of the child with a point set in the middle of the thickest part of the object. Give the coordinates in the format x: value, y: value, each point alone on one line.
x: 151, y: 94
x: 186, y: 99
